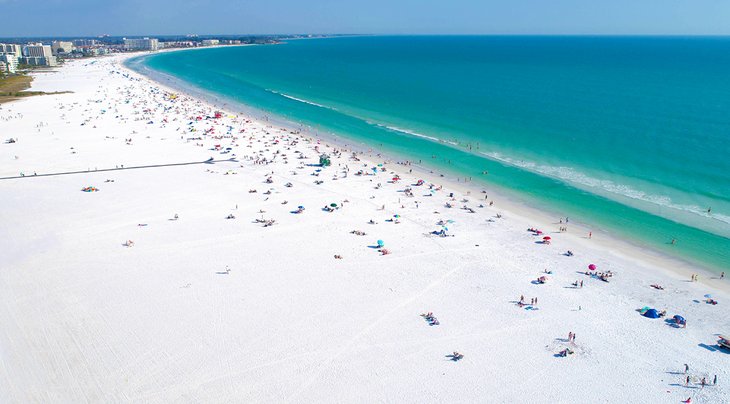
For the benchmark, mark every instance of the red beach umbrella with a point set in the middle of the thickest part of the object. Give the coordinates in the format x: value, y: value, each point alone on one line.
x: 592, y: 267
x: 546, y: 238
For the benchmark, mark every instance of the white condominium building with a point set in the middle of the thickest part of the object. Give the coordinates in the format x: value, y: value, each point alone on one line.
x: 12, y: 48
x: 61, y: 47
x: 10, y: 62
x: 37, y: 51
x: 150, y: 44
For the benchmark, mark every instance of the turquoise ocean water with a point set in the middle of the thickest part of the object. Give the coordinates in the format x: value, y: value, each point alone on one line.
x: 626, y: 134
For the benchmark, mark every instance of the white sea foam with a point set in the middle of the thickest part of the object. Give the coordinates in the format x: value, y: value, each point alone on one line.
x: 301, y: 100
x: 563, y: 173
x: 604, y: 187
x: 412, y: 133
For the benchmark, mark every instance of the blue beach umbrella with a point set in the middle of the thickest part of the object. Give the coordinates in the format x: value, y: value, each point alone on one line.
x: 380, y: 243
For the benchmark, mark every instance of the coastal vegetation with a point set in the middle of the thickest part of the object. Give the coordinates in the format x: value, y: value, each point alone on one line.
x: 13, y: 87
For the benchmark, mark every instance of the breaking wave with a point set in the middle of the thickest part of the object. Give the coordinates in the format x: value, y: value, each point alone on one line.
x: 301, y: 100
x: 574, y: 177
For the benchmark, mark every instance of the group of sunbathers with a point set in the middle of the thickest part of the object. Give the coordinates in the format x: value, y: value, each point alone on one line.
x: 430, y: 318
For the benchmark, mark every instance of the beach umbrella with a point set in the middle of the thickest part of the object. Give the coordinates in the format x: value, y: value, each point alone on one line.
x: 546, y: 238
x: 396, y: 216
x: 334, y: 205
x: 381, y: 243
x: 592, y: 267
x: 709, y: 296
x: 300, y: 207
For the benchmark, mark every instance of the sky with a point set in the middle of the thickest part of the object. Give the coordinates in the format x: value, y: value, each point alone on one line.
x: 179, y: 17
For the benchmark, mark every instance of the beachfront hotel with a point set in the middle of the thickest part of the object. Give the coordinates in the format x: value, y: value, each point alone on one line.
x: 8, y: 63
x: 31, y: 54
x: 11, y: 48
x: 148, y: 44
x: 61, y: 47
x: 37, y: 55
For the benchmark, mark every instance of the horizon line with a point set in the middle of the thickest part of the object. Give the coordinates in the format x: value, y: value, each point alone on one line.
x: 371, y: 34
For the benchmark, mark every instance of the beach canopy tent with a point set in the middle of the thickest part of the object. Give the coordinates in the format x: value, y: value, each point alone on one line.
x: 324, y: 160
x: 651, y: 313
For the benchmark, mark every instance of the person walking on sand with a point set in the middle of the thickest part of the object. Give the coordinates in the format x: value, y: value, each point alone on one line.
x: 686, y: 368
x: 686, y: 381
x: 590, y: 234
x: 714, y: 381
x: 722, y: 275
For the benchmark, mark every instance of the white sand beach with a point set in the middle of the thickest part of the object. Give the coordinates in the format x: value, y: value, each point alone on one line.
x: 225, y: 295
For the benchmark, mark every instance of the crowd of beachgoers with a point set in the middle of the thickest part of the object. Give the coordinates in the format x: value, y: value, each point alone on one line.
x: 166, y: 248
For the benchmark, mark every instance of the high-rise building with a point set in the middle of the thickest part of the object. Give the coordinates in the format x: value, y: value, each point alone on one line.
x: 10, y: 62
x: 38, y: 60
x: 150, y: 44
x: 84, y: 42
x: 61, y: 47
x: 37, y: 50
x: 210, y: 42
x: 11, y: 48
